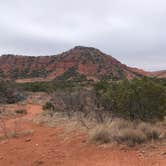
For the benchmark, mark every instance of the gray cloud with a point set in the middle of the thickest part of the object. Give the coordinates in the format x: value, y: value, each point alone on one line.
x: 131, y: 31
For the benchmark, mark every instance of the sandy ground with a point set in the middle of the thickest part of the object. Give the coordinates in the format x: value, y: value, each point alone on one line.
x: 53, y: 147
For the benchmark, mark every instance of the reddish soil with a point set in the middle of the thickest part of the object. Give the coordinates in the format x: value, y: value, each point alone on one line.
x: 53, y: 147
x: 159, y: 74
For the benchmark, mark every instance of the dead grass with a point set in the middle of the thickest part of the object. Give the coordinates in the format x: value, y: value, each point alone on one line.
x: 17, y: 135
x: 151, y: 131
x: 112, y: 130
x: 59, y: 119
x: 130, y: 136
x: 21, y: 134
x: 15, y: 132
x: 100, y: 135
x: 126, y: 132
x: 12, y: 111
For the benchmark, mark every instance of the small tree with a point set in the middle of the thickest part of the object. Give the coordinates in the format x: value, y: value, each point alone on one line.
x: 137, y: 99
x: 50, y: 108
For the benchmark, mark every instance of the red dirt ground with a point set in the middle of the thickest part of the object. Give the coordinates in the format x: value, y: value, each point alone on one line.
x: 52, y: 147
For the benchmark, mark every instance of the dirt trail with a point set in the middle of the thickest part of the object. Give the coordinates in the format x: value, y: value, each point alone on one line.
x: 25, y: 120
x: 52, y: 147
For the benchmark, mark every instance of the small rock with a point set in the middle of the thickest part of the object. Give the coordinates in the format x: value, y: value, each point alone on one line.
x: 38, y: 162
x: 140, y: 155
x: 28, y: 140
x: 164, y: 153
x: 142, y: 151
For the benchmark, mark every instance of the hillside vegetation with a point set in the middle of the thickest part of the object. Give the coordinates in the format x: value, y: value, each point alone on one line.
x: 79, y: 62
x: 10, y: 93
x: 143, y: 99
x: 130, y: 112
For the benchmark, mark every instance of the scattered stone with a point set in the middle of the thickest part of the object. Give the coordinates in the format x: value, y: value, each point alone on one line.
x: 28, y: 140
x: 164, y: 153
x: 38, y: 162
x: 142, y: 151
x: 140, y: 155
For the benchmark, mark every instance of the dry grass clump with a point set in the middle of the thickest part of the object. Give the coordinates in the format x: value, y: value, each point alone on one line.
x: 11, y: 111
x: 130, y: 136
x: 49, y: 120
x: 16, y: 135
x: 111, y: 130
x: 100, y: 134
x: 15, y: 132
x: 151, y: 132
x: 123, y: 131
x: 57, y: 119
x: 21, y: 134
x: 119, y: 124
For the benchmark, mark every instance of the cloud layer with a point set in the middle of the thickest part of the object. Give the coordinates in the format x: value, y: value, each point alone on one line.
x: 131, y: 31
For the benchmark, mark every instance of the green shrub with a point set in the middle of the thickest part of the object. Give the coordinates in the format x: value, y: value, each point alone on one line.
x: 73, y: 75
x: 50, y: 86
x: 143, y: 99
x: 21, y: 111
x: 49, y: 106
x: 10, y: 93
x: 38, y: 86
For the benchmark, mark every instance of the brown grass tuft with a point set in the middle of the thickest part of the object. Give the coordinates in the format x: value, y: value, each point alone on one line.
x: 123, y: 131
x: 100, y: 135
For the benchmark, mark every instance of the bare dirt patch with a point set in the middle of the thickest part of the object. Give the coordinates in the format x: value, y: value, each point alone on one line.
x: 54, y: 147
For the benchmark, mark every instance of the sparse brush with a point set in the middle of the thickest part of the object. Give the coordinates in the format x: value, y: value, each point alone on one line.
x: 15, y: 133
x: 123, y: 131
x: 21, y: 111
x: 130, y: 136
x: 119, y: 124
x: 150, y: 131
x: 21, y: 134
x: 4, y: 129
x: 100, y: 135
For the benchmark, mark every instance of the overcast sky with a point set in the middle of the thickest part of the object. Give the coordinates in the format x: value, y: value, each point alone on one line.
x: 133, y: 31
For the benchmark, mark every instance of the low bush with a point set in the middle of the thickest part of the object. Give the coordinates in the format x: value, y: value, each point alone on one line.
x: 49, y: 106
x: 52, y: 86
x: 10, y: 93
x: 21, y: 111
